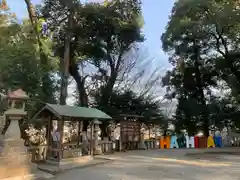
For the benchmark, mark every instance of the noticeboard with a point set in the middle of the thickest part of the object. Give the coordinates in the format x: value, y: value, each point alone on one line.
x: 130, y: 130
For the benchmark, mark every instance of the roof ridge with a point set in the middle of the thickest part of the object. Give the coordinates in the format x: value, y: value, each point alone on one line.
x: 76, y: 111
x: 72, y: 106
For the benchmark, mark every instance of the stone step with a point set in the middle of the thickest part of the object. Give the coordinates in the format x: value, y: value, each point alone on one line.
x: 71, y: 164
x: 81, y: 159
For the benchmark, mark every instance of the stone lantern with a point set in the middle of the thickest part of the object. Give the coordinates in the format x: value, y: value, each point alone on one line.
x: 15, y: 112
x: 111, y: 128
x: 97, y: 147
x: 14, y: 156
x: 15, y: 161
x: 142, y: 144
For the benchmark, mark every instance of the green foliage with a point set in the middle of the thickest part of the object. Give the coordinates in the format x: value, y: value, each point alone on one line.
x: 129, y: 103
x: 113, y: 31
x: 102, y: 35
x: 215, y: 26
x: 202, y: 40
x: 185, y: 39
x: 21, y: 66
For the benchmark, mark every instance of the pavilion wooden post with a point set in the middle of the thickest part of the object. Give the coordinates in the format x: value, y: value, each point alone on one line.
x: 60, y: 145
x: 79, y: 132
x: 96, y: 146
x: 155, y: 136
x: 91, y: 138
x: 149, y: 132
x: 49, y: 139
x: 120, y: 138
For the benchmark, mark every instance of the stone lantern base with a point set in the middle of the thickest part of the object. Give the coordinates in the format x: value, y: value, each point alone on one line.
x: 15, y: 161
x: 142, y: 144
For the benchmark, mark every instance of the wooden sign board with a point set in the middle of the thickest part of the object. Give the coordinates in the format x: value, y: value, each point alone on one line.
x: 130, y: 131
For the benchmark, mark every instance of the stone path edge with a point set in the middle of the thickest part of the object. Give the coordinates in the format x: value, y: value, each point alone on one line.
x: 63, y: 170
x: 230, y: 151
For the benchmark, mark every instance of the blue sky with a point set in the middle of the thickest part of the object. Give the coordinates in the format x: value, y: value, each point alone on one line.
x: 156, y: 14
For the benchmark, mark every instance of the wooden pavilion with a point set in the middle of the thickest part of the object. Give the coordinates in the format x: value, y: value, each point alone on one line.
x: 58, y: 117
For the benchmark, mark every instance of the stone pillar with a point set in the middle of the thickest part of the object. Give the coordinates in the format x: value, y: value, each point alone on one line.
x: 120, y: 141
x: 156, y: 144
x: 97, y: 147
x: 141, y: 144
x: 85, y: 142
x: 151, y: 146
x: 14, y: 143
x: 112, y: 127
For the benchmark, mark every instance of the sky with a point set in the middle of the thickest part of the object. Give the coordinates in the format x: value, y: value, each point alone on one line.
x: 155, y: 13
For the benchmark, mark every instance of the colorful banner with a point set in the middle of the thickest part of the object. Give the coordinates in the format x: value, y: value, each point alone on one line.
x: 166, y: 142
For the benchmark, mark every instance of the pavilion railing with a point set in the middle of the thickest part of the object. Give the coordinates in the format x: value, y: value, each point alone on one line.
x: 38, y: 153
x: 152, y: 143
x: 72, y: 150
x: 107, y: 146
x: 69, y: 150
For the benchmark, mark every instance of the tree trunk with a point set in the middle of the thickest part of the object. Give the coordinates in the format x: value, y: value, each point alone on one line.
x: 200, y: 91
x: 104, y: 103
x: 103, y: 128
x: 106, y: 93
x: 80, y: 81
x: 189, y: 124
x: 64, y: 85
x: 65, y: 63
x: 83, y: 99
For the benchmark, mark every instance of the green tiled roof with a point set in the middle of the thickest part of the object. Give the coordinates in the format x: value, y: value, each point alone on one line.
x: 76, y: 111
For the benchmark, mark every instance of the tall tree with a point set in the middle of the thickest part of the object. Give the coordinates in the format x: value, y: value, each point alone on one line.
x: 112, y: 44
x: 20, y: 65
x: 44, y: 53
x: 216, y: 24
x: 62, y: 17
x: 114, y: 30
x: 204, y: 36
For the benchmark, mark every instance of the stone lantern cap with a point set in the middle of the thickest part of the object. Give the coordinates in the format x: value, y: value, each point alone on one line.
x: 18, y: 94
x: 15, y: 112
x: 96, y: 121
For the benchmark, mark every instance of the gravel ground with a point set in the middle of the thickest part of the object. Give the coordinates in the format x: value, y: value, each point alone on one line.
x: 160, y: 165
